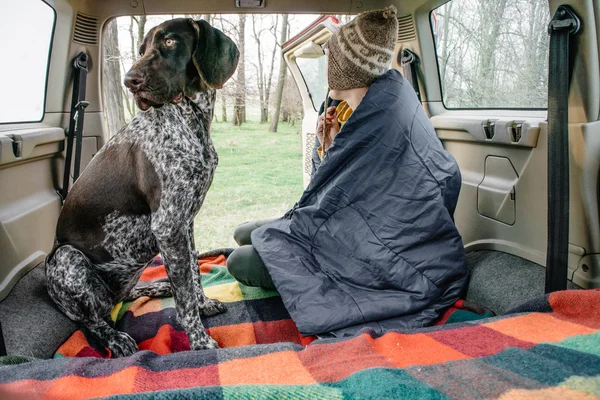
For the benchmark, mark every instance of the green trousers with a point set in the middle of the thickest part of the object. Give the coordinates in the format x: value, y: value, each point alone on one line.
x: 245, y: 264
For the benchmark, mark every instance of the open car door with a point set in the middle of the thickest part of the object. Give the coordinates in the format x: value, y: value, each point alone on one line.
x: 306, y: 60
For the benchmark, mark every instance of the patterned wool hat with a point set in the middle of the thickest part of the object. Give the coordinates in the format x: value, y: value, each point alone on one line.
x: 362, y: 50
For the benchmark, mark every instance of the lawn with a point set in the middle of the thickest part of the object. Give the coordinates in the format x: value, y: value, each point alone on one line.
x: 259, y: 176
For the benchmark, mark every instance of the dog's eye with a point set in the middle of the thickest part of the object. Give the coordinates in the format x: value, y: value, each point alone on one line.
x: 169, y: 42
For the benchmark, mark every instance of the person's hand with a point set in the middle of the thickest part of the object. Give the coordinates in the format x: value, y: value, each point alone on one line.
x: 332, y: 124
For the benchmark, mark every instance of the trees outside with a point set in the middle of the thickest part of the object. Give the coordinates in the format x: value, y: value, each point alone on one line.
x: 490, y: 54
x: 264, y: 72
x: 493, y: 54
x: 239, y: 106
x: 282, y: 73
x: 113, y: 95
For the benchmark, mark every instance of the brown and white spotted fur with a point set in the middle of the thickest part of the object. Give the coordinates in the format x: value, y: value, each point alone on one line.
x: 139, y: 195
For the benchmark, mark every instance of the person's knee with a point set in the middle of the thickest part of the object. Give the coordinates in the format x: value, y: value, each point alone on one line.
x: 242, y: 233
x: 235, y: 263
x: 246, y: 266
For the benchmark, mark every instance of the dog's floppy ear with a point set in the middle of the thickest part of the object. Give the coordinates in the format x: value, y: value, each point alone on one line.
x: 216, y: 56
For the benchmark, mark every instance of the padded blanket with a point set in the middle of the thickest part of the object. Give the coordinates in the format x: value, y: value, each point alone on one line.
x: 548, y: 348
x: 371, y: 243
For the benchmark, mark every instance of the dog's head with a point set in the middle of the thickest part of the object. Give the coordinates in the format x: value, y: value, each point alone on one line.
x: 180, y: 57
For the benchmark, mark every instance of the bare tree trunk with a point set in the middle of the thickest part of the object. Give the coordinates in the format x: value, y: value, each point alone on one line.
x: 141, y: 29
x: 224, y: 109
x: 281, y: 80
x: 260, y: 72
x: 239, y: 106
x: 134, y: 50
x: 490, y: 39
x: 115, y: 115
x: 445, y: 41
x: 270, y: 81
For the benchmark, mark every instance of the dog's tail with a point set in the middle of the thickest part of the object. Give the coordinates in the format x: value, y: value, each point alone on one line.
x: 155, y: 289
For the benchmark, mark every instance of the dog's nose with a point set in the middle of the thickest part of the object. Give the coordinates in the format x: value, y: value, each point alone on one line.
x: 134, y: 80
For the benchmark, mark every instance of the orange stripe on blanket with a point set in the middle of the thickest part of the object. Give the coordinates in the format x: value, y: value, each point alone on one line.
x: 210, y: 261
x: 283, y: 368
x: 73, y: 345
x: 130, y: 380
x: 177, y: 379
x: 538, y: 328
x: 78, y: 387
x: 153, y: 273
x: 233, y: 335
x: 145, y: 305
x: 166, y: 341
x: 404, y: 350
x: 582, y: 306
x: 205, y: 265
x: 333, y: 362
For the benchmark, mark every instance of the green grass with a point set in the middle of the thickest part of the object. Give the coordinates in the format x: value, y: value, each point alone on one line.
x: 259, y: 176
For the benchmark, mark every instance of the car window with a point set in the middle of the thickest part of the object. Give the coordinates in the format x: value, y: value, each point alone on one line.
x: 314, y: 72
x: 492, y: 54
x: 26, y: 28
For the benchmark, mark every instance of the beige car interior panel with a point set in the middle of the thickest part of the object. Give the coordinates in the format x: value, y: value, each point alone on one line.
x: 30, y: 143
x: 496, y: 194
x: 494, y: 129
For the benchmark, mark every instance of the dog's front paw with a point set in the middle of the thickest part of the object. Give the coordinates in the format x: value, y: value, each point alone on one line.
x: 121, y: 345
x: 212, y: 307
x: 203, y: 341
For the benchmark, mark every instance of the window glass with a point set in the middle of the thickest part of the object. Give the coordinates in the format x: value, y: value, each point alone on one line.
x: 492, y: 54
x: 314, y: 72
x: 26, y: 30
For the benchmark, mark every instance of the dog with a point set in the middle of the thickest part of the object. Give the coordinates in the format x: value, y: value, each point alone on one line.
x: 140, y: 193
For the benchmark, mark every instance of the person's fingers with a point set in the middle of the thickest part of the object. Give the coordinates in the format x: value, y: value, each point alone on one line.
x: 331, y: 109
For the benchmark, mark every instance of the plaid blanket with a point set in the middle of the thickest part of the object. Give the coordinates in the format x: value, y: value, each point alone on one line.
x: 254, y: 315
x: 549, y: 348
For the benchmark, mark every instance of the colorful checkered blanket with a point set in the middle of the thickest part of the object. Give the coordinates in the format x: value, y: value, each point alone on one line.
x: 254, y: 315
x: 549, y: 348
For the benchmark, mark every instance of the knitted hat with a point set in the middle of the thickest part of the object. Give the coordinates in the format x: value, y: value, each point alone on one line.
x: 362, y: 50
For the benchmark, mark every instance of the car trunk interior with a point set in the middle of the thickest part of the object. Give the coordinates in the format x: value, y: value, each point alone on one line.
x: 502, y: 209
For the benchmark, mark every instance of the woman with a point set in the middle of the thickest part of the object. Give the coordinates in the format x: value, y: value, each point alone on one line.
x: 371, y: 243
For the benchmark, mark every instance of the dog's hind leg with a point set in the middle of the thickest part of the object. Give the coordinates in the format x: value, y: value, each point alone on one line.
x: 80, y: 293
x: 156, y: 289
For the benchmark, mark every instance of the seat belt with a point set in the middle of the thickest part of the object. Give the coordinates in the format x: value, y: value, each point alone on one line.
x: 2, y: 345
x: 409, y: 61
x: 562, y: 27
x: 75, y: 132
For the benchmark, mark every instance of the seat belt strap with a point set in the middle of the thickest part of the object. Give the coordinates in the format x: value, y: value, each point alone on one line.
x: 563, y: 25
x: 409, y: 61
x: 75, y: 132
x: 2, y: 345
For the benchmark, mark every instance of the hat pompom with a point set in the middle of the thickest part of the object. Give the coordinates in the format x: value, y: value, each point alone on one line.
x: 389, y: 12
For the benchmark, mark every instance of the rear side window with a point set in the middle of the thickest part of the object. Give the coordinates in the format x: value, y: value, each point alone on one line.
x: 26, y: 28
x: 492, y: 54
